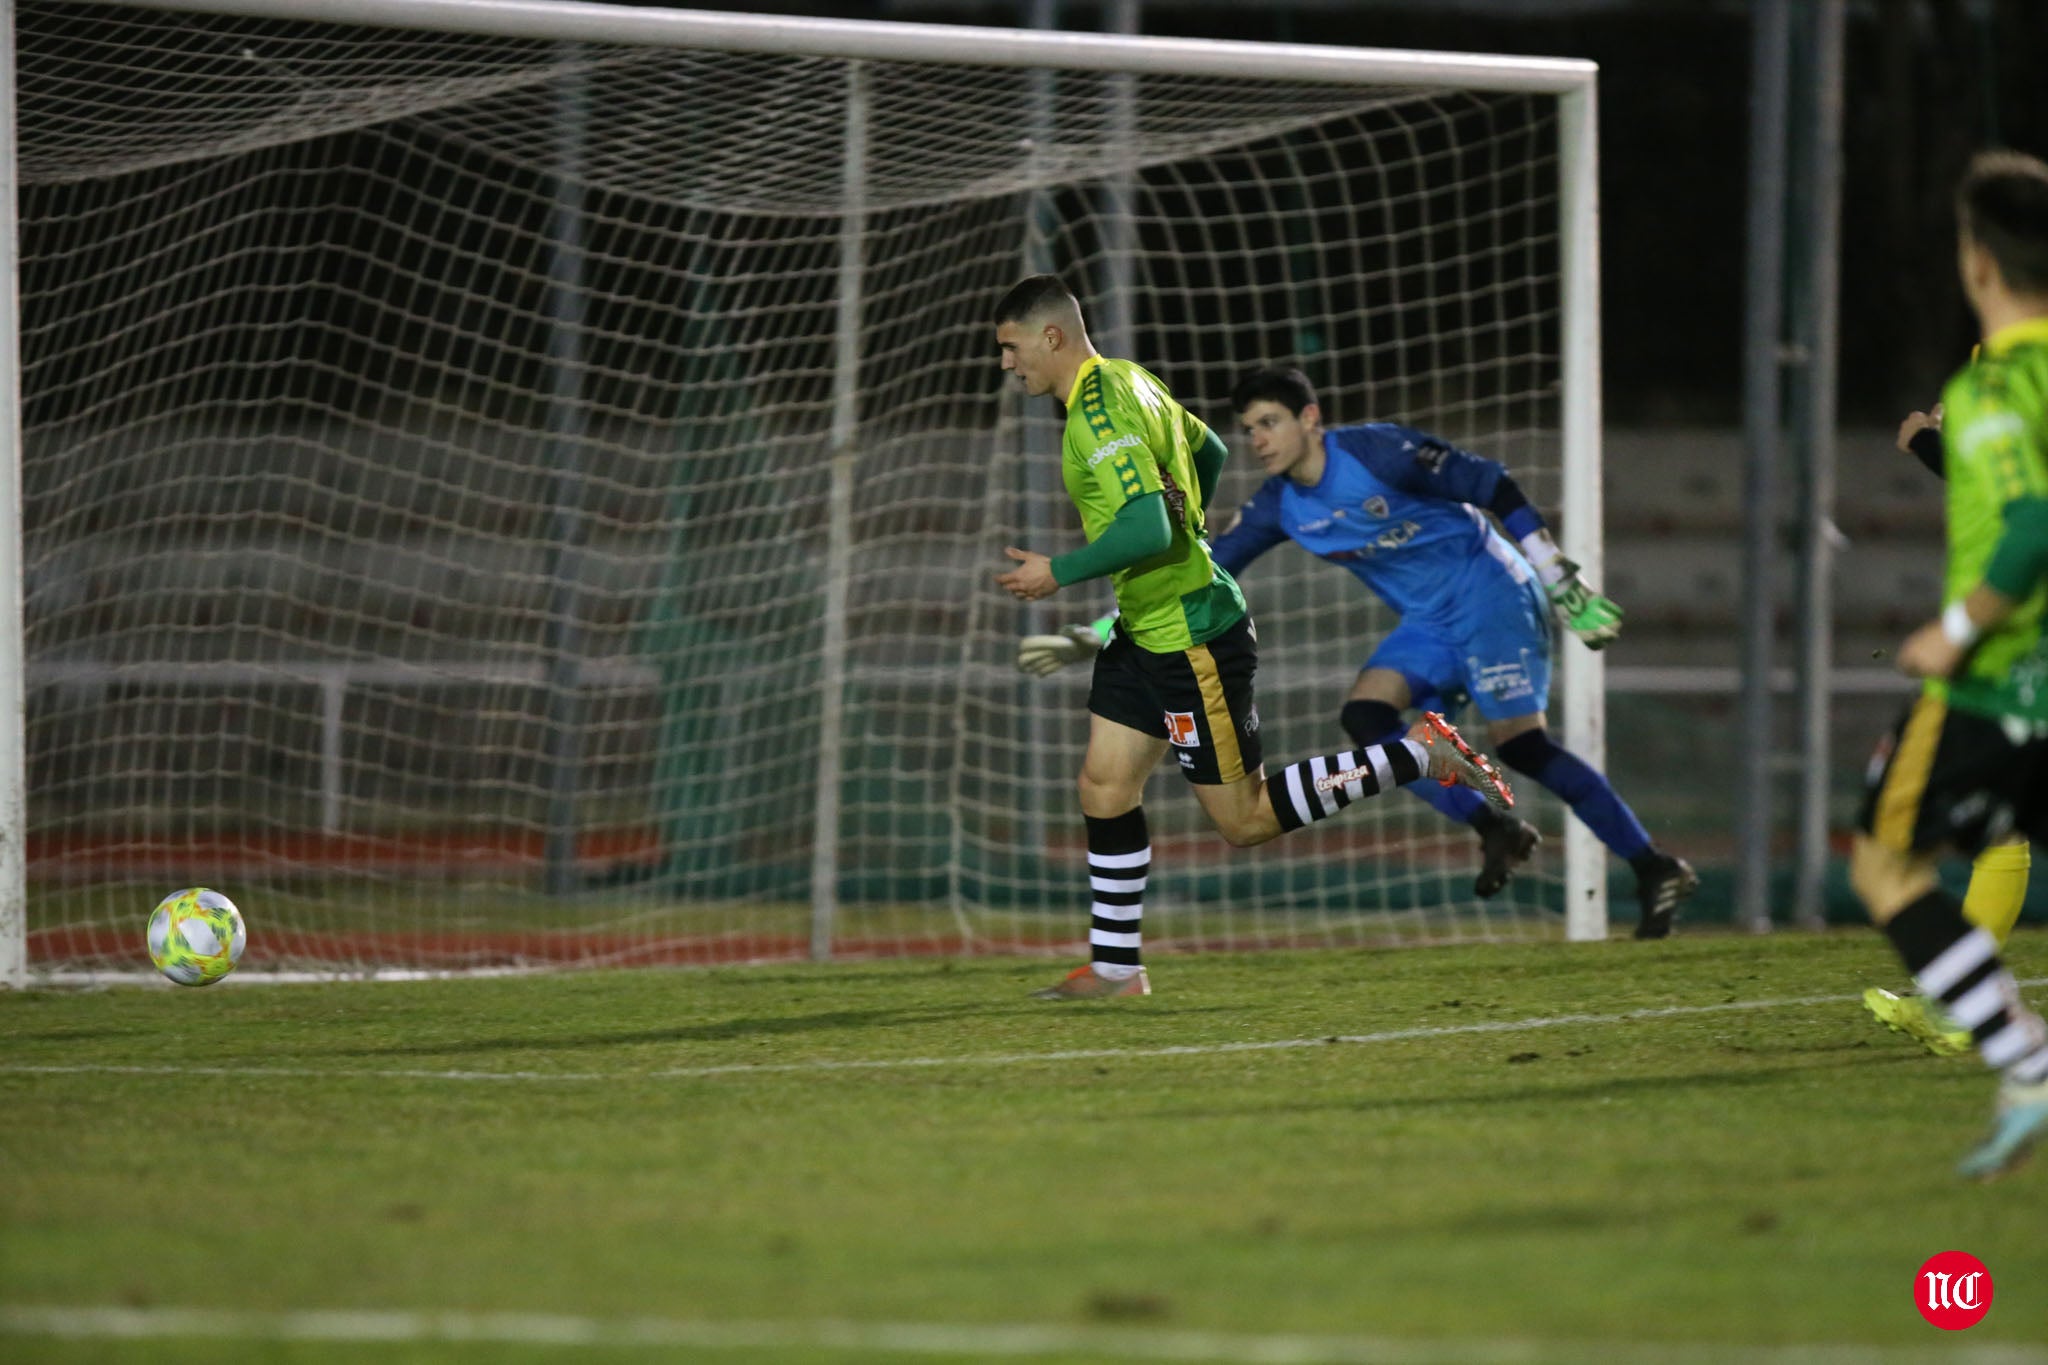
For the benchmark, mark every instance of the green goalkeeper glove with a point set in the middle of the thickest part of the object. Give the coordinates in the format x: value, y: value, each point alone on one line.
x: 1043, y: 655
x: 1585, y: 613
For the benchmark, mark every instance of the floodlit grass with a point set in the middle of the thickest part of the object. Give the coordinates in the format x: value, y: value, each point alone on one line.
x: 620, y: 1145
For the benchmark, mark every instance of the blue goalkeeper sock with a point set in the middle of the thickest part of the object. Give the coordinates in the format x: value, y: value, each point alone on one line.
x: 1589, y: 795
x: 1375, y: 722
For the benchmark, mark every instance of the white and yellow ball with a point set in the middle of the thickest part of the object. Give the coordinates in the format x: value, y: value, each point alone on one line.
x: 196, y: 936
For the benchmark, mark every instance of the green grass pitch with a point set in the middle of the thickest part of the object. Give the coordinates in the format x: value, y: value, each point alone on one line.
x: 913, y: 1161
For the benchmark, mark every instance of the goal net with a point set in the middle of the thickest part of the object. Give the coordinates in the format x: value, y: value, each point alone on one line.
x: 533, y: 496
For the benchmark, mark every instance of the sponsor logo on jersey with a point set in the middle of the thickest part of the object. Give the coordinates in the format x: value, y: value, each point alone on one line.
x: 1376, y: 506
x: 1103, y: 452
x: 1394, y: 537
x: 1181, y: 731
x: 1431, y: 455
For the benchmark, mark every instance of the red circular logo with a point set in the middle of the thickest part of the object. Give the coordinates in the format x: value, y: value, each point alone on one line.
x: 1953, y: 1290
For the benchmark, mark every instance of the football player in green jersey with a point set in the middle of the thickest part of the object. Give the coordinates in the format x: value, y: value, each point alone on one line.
x: 1177, y: 672
x: 1998, y: 876
x: 1968, y: 763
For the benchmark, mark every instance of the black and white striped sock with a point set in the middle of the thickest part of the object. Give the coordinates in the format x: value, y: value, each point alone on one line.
x: 1315, y: 788
x: 1956, y: 963
x: 1119, y: 860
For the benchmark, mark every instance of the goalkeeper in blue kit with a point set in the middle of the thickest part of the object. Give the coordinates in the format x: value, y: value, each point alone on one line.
x: 1404, y: 512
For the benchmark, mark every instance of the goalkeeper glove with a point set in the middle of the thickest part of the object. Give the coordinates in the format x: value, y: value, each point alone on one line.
x: 1585, y: 613
x: 1043, y: 655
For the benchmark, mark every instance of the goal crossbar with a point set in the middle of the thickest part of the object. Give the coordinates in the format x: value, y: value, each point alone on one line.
x: 724, y: 31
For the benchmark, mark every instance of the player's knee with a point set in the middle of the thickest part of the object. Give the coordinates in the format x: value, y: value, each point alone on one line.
x: 1103, y: 797
x: 1227, y: 816
x: 1240, y: 813
x: 1242, y: 831
x: 1369, y: 722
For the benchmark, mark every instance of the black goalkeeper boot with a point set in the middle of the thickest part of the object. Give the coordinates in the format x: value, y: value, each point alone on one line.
x: 1505, y: 843
x: 1663, y: 883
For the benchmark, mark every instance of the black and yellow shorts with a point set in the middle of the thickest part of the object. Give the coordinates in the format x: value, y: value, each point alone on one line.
x: 1953, y: 779
x: 1198, y: 700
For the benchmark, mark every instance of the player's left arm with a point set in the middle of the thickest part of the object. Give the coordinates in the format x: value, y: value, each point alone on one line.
x: 1436, y: 468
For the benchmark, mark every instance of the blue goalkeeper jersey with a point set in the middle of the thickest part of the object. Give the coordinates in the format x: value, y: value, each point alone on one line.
x: 1401, y: 510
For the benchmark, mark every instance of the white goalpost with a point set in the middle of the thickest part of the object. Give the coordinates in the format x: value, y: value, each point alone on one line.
x: 502, y: 483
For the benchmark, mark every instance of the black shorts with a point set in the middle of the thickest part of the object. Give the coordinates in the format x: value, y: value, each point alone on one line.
x: 1953, y: 779
x: 1198, y: 700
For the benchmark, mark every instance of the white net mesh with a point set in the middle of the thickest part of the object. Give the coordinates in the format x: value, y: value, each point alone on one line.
x: 428, y: 468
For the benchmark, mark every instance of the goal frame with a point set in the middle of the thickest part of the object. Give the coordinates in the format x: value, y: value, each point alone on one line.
x: 1572, y: 82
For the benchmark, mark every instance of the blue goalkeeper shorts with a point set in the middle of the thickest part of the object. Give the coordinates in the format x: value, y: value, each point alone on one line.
x: 1497, y: 653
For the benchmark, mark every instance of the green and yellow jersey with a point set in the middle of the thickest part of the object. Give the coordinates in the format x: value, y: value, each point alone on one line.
x: 1127, y: 437
x: 1995, y: 431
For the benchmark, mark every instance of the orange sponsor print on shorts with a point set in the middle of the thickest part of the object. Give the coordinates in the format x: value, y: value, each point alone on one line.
x: 1181, y: 731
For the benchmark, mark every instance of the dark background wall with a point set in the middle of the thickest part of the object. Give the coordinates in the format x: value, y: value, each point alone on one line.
x: 1928, y: 81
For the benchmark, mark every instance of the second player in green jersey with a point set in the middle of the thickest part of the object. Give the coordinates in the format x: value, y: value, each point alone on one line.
x: 1967, y: 766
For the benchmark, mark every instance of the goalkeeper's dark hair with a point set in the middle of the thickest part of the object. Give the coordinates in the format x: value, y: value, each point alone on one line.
x: 1034, y: 296
x: 1275, y: 384
x: 2002, y: 205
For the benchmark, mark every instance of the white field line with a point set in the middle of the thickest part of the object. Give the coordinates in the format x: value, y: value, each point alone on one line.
x: 964, y: 1339
x: 1093, y: 1054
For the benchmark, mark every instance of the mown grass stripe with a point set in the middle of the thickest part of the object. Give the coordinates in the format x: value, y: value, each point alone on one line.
x: 1013, y: 1340
x: 1096, y: 1054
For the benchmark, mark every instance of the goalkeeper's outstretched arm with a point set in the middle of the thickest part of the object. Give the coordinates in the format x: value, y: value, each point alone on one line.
x: 1431, y: 467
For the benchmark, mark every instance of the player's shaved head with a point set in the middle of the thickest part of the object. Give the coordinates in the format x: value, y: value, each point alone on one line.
x: 1041, y: 336
x: 1040, y: 298
x: 2002, y: 206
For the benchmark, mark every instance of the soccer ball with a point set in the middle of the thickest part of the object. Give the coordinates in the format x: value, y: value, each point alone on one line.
x: 196, y: 936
